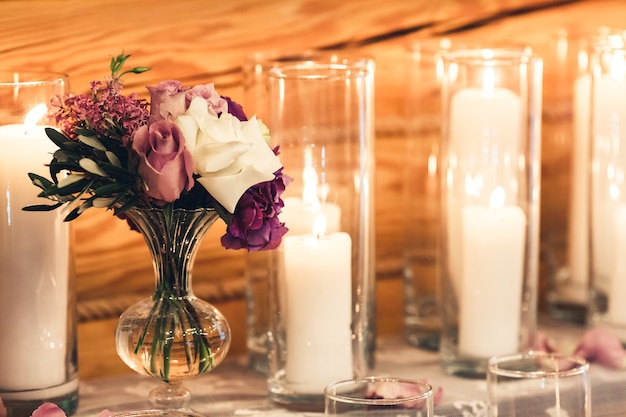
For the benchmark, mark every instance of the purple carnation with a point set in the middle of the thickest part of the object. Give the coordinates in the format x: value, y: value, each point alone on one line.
x: 255, y: 224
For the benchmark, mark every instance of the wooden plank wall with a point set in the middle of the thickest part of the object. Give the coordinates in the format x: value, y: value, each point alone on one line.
x: 205, y: 41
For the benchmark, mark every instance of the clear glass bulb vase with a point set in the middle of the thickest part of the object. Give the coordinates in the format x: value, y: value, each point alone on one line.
x: 172, y: 335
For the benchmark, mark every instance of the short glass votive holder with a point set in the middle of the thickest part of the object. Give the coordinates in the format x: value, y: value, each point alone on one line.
x: 379, y: 396
x: 607, y: 197
x: 322, y: 295
x: 538, y: 383
x: 490, y: 168
x: 37, y: 299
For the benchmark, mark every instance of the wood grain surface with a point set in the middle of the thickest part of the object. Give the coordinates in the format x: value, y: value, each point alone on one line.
x: 206, y: 41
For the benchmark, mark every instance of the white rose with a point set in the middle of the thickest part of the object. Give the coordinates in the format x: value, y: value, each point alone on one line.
x: 229, y: 155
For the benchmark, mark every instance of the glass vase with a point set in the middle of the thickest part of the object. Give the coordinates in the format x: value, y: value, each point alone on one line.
x: 172, y: 335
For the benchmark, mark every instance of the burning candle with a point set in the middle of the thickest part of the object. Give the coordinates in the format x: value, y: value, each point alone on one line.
x: 318, y: 282
x: 485, y: 124
x: 484, y: 120
x: 490, y: 294
x: 579, y: 202
x: 34, y: 267
x: 299, y: 214
x: 607, y: 200
x: 617, y: 294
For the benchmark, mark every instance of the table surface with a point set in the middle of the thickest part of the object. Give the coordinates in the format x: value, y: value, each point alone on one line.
x: 233, y: 389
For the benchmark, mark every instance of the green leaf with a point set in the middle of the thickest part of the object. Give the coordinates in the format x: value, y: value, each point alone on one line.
x: 69, y: 180
x: 113, y: 159
x: 92, y: 166
x: 118, y: 173
x: 109, y: 189
x: 57, y: 137
x: 127, y: 205
x: 40, y: 181
x: 66, y: 155
x: 92, y: 141
x: 42, y: 207
x: 68, y: 190
x: 85, y: 132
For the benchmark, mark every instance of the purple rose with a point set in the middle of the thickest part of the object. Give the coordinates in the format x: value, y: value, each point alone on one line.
x: 165, y: 165
x: 235, y: 109
x: 215, y: 102
x: 167, y: 100
x: 255, y: 224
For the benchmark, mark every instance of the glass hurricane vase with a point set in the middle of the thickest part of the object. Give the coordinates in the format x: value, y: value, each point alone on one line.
x: 172, y: 335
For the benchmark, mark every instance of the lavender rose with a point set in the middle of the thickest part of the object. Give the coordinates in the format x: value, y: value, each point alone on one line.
x: 165, y: 164
x: 170, y: 99
x: 216, y: 103
x: 167, y: 100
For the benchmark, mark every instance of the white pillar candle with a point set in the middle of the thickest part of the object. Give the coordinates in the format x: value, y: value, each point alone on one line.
x: 490, y: 297
x: 485, y: 123
x: 609, y: 168
x: 299, y: 216
x: 34, y: 256
x: 578, y: 246
x: 617, y: 294
x: 318, y: 281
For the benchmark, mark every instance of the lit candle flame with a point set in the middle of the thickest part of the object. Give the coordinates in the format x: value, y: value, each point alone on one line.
x: 319, y: 226
x: 35, y: 115
x: 489, y: 79
x: 497, y: 198
x: 618, y: 67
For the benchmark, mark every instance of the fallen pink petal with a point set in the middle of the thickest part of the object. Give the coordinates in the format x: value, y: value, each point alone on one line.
x: 48, y: 410
x: 394, y: 391
x: 599, y: 345
x: 3, y: 410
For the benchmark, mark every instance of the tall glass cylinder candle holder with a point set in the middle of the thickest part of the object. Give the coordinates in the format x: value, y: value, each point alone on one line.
x: 37, y: 303
x: 490, y: 205
x: 566, y: 135
x: 257, y: 267
x: 607, y: 194
x: 422, y: 112
x: 322, y: 284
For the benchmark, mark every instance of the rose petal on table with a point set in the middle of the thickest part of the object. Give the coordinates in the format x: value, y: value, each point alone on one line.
x: 3, y: 410
x: 105, y: 413
x: 393, y: 391
x: 48, y: 410
x: 599, y: 345
x: 544, y: 343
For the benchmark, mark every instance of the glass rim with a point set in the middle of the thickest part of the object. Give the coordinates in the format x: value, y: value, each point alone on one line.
x: 280, y: 57
x: 497, y: 365
x: 30, y: 77
x: 331, y: 394
x: 311, y: 70
x: 491, y: 57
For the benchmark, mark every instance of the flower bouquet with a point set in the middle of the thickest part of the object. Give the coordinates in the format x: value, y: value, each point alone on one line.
x: 187, y: 148
x: 170, y: 166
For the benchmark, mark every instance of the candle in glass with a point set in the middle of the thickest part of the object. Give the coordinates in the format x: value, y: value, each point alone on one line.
x: 491, y: 282
x: 33, y: 269
x: 318, y: 285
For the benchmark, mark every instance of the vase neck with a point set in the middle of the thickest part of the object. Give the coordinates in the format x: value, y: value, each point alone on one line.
x: 173, y: 238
